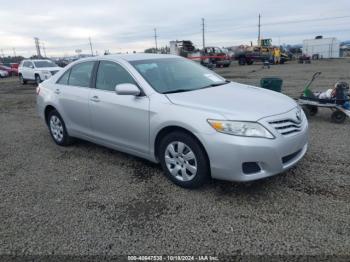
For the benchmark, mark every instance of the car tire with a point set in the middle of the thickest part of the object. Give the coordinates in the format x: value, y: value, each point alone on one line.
x: 22, y: 80
x: 312, y: 110
x: 338, y: 117
x: 241, y: 61
x: 37, y: 79
x: 58, y: 129
x: 184, y: 160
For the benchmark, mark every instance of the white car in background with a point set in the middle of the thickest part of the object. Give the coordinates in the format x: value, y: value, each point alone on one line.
x: 3, y: 74
x: 36, y: 70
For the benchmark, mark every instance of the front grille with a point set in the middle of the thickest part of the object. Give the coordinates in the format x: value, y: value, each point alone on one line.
x: 287, y: 126
x: 290, y: 157
x: 53, y: 72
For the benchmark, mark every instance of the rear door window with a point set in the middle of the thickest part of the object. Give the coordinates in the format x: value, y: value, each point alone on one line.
x: 80, y: 74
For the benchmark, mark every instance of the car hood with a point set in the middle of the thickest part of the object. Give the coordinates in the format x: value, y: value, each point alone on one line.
x: 236, y: 101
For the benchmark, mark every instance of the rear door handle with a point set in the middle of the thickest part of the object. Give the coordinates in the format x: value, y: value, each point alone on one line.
x: 57, y: 91
x: 95, y: 99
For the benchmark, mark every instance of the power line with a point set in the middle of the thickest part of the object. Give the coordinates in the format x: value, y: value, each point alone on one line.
x: 277, y: 23
x: 308, y: 20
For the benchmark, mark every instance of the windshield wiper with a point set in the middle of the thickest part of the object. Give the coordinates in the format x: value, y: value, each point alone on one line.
x: 177, y: 91
x: 216, y: 84
x: 186, y: 90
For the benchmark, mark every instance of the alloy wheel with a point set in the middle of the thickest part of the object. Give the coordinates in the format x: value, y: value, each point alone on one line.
x: 56, y: 128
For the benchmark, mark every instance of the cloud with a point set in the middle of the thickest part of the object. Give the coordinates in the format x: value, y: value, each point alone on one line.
x: 128, y: 25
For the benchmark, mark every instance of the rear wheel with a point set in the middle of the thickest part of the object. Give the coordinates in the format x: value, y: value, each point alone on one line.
x: 58, y: 129
x: 338, y: 117
x: 184, y: 160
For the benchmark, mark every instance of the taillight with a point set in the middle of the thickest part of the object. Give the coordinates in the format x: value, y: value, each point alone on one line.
x: 38, y: 90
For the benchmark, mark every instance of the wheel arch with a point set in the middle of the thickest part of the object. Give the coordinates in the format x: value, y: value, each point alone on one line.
x: 48, y: 109
x: 174, y: 128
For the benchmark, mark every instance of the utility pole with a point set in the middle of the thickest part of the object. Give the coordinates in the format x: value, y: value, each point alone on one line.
x: 203, y: 37
x: 37, y: 46
x: 259, y: 27
x: 14, y: 52
x: 92, y: 52
x: 44, y: 49
x: 2, y: 53
x: 155, y: 39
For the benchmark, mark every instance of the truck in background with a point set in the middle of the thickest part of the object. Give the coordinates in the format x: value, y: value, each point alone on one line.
x: 261, y: 53
x: 209, y: 56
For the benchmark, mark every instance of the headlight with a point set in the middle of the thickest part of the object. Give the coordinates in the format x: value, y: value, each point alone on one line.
x: 236, y: 128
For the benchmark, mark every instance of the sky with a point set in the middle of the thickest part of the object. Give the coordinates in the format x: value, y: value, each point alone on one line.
x: 125, y: 26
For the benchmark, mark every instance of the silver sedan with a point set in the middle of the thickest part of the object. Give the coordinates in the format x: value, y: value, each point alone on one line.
x: 171, y: 110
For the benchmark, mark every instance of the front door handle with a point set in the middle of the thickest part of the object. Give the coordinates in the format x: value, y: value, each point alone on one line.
x: 95, y: 99
x: 57, y: 91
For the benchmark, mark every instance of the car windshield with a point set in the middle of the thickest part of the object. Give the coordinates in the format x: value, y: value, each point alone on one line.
x: 44, y: 64
x: 170, y: 75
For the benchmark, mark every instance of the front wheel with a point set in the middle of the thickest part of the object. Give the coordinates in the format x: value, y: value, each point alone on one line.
x: 37, y: 79
x: 183, y: 160
x: 21, y: 79
x: 58, y: 129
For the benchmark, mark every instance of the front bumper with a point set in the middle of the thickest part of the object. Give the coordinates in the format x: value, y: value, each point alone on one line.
x: 227, y: 154
x: 44, y: 76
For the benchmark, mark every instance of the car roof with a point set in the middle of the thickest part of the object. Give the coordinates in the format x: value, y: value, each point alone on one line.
x: 136, y: 57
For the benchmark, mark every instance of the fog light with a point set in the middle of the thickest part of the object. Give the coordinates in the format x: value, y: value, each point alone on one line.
x: 250, y: 168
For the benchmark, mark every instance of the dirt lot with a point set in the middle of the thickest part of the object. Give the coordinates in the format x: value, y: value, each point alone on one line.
x: 87, y: 199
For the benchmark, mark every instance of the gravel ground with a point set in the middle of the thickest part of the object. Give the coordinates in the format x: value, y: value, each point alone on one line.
x: 90, y: 200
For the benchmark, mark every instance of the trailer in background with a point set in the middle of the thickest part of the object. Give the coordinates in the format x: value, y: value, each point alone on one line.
x: 321, y: 47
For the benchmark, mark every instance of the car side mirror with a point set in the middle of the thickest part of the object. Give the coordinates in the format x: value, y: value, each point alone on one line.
x: 127, y: 89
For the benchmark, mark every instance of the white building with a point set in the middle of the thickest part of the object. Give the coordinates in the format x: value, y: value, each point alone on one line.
x: 323, y: 47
